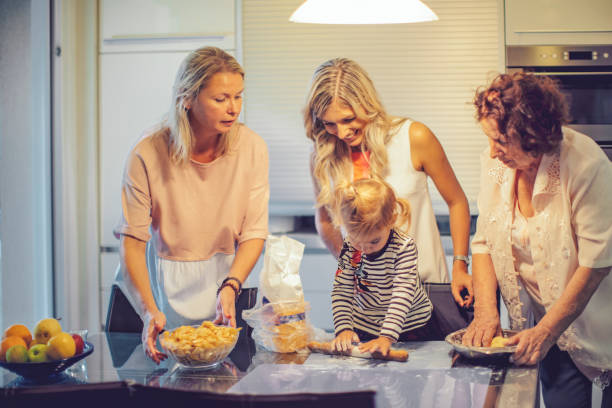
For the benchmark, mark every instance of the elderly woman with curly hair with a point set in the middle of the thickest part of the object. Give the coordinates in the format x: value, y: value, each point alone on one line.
x: 544, y: 237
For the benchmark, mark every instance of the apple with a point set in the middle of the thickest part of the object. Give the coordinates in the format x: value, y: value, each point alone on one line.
x: 61, y: 346
x: 17, y: 354
x: 79, y: 343
x: 45, y: 329
x: 38, y: 353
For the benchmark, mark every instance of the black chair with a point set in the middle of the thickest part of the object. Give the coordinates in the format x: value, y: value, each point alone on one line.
x: 128, y: 393
x: 72, y: 395
x: 163, y: 397
x: 121, y: 316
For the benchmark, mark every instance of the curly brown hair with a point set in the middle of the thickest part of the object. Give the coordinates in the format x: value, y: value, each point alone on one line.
x: 526, y: 107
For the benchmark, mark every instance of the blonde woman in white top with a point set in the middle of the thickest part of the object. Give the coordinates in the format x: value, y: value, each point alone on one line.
x: 544, y: 237
x: 354, y: 137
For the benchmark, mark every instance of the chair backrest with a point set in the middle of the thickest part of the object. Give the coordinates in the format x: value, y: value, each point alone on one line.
x: 135, y: 395
x: 163, y: 397
x: 69, y: 395
x: 121, y: 316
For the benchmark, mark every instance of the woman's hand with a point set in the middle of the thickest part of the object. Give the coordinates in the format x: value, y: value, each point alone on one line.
x: 462, y: 280
x: 532, y: 345
x: 381, y: 344
x: 344, y: 341
x: 483, y: 328
x: 226, y: 307
x: 153, y: 324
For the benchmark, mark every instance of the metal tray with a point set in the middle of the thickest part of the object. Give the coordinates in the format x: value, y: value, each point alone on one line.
x: 454, y: 339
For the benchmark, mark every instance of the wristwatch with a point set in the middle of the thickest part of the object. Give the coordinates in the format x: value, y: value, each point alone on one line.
x: 462, y: 258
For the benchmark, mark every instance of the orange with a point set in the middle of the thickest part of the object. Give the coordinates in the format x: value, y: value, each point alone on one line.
x: 19, y: 330
x: 9, y: 342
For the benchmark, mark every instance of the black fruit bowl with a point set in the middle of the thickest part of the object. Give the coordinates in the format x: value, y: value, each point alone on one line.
x: 37, y: 371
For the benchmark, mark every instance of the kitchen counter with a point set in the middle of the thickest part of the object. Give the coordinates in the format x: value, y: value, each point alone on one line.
x: 432, y: 376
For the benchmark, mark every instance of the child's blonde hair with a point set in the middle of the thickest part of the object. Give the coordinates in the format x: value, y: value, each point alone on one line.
x: 367, y: 205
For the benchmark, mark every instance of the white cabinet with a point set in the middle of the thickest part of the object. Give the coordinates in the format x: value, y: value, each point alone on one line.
x: 135, y: 91
x: 161, y: 25
x: 558, y: 22
x: 318, y: 271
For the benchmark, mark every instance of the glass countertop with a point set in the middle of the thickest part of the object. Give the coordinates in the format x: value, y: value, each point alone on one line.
x: 433, y: 375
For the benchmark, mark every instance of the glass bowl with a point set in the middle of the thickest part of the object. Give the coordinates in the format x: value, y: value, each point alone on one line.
x: 199, y: 347
x: 38, y: 371
x: 486, y: 353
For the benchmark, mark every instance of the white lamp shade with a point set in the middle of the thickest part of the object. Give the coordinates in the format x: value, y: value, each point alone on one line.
x: 362, y: 12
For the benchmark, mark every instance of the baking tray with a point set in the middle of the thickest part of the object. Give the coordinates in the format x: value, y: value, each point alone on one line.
x: 486, y: 353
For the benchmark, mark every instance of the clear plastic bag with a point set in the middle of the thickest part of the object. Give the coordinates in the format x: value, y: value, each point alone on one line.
x: 280, y: 321
x: 280, y: 277
x: 280, y: 326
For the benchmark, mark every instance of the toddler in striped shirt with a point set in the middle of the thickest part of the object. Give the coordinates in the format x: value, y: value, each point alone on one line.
x: 377, y: 296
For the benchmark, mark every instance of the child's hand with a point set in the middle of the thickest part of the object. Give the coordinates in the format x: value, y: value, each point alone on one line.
x: 381, y: 344
x: 344, y: 341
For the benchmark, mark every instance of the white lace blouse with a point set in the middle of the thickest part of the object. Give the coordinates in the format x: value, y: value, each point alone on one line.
x: 572, y: 226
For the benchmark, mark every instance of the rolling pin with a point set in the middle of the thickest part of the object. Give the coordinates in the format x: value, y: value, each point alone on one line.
x: 326, y: 348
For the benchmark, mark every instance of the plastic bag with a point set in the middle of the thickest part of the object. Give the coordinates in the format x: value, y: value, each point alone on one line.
x: 280, y: 322
x: 280, y: 326
x: 280, y: 277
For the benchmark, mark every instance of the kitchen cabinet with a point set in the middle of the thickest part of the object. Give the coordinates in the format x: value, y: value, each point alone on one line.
x: 135, y: 91
x: 166, y: 25
x: 536, y: 22
x: 317, y: 273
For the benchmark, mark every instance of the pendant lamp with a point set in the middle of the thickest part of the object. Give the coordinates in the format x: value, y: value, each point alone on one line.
x: 362, y: 12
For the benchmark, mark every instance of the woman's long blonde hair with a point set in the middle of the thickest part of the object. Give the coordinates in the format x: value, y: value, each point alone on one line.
x: 344, y: 81
x: 193, y: 75
x: 367, y: 205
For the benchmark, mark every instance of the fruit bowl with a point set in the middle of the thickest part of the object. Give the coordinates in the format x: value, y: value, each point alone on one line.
x: 196, y: 347
x: 36, y: 371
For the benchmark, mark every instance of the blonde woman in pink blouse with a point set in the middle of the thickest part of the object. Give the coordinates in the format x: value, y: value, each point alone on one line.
x: 544, y: 237
x: 197, y: 187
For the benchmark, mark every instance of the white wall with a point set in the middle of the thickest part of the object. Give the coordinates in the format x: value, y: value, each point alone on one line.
x: 426, y: 71
x: 25, y: 166
x: 75, y: 141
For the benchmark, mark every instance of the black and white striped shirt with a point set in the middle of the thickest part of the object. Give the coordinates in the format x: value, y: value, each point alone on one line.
x: 388, y: 299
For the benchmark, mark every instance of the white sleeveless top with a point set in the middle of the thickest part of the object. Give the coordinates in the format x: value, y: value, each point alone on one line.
x: 411, y: 185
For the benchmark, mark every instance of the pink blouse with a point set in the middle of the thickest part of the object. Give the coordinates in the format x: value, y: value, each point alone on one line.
x: 195, y: 210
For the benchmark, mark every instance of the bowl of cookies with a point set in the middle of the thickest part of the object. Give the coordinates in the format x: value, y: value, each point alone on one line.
x: 202, y: 347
